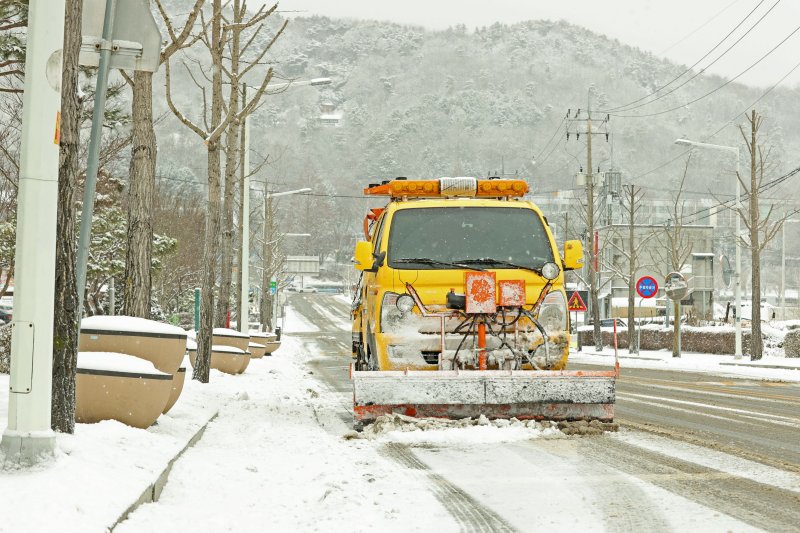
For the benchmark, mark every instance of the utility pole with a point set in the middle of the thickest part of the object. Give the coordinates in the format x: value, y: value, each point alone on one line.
x: 591, y: 238
x: 28, y: 436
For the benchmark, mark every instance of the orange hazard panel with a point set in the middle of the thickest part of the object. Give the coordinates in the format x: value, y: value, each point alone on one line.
x: 481, y: 292
x: 512, y: 292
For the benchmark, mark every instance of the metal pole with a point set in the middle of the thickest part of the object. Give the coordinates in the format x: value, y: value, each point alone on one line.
x: 738, y: 274
x: 95, y: 139
x: 197, y: 309
x: 244, y: 311
x: 783, y: 271
x: 28, y: 436
x: 111, y: 297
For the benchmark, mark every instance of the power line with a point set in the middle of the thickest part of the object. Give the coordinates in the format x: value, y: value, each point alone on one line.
x: 555, y: 132
x: 763, y: 95
x: 627, y: 107
x: 718, y: 88
x: 706, y: 23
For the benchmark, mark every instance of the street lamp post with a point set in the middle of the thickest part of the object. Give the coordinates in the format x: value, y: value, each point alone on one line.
x: 245, y: 222
x: 737, y: 274
x: 267, y: 197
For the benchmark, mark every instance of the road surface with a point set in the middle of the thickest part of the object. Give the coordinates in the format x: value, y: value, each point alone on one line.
x: 695, y: 452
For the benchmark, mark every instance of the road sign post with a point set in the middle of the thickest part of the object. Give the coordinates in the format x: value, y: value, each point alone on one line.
x: 116, y: 34
x: 676, y: 288
x: 577, y: 304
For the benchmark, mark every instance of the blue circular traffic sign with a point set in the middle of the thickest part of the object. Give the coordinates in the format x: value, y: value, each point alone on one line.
x: 647, y: 287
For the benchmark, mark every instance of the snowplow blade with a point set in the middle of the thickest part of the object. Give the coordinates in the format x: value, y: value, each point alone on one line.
x: 521, y: 394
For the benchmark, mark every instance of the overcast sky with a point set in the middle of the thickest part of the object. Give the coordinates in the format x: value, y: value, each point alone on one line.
x: 682, y: 30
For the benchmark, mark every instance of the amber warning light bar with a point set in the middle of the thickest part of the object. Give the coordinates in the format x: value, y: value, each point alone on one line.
x: 448, y: 187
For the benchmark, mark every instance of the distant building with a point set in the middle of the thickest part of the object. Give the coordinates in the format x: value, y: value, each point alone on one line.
x: 329, y: 116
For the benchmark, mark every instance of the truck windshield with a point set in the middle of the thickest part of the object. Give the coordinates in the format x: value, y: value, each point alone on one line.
x: 429, y: 238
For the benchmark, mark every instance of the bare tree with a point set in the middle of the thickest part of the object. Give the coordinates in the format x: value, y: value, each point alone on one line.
x: 215, y: 120
x: 272, y: 262
x: 139, y: 250
x: 761, y: 230
x: 65, y: 321
x: 632, y: 254
x: 677, y: 244
x: 237, y: 67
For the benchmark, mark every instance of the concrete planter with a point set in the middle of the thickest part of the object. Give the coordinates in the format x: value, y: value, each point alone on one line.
x: 272, y: 346
x: 230, y: 337
x: 161, y: 344
x: 178, y: 379
x: 257, y: 350
x: 133, y: 398
x: 225, y: 359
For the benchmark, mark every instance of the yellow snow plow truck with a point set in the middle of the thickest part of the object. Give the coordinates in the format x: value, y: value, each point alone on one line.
x: 460, y: 309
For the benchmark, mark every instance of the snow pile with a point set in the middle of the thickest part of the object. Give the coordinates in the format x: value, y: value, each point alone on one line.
x: 405, y: 429
x: 116, y: 362
x: 130, y: 324
x: 227, y: 332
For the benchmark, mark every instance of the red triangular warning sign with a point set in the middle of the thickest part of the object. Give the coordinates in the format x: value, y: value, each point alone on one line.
x: 576, y: 303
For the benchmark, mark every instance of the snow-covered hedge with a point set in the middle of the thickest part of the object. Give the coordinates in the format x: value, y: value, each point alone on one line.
x: 707, y: 339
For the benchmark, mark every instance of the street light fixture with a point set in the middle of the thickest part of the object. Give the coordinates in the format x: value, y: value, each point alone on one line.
x: 245, y: 255
x: 737, y: 273
x: 245, y: 251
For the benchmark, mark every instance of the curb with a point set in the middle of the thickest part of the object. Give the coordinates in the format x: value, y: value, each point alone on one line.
x: 756, y: 365
x: 153, y: 491
x: 636, y: 357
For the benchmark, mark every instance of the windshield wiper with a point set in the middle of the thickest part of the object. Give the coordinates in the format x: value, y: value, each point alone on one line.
x: 490, y: 261
x: 426, y: 261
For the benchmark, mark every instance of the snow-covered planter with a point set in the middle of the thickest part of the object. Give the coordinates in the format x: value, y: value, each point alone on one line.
x: 271, y: 347
x: 257, y: 350
x: 230, y: 337
x: 226, y: 359
x: 178, y: 379
x: 162, y: 344
x: 115, y: 386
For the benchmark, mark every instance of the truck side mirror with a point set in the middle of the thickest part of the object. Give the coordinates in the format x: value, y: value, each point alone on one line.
x: 573, y: 255
x: 363, y: 256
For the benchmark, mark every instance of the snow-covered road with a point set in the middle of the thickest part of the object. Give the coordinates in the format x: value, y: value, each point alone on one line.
x: 279, y: 461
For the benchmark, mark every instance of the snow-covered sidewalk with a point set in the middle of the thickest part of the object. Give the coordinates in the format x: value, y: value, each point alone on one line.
x: 275, y: 459
x: 769, y: 367
x: 101, y: 470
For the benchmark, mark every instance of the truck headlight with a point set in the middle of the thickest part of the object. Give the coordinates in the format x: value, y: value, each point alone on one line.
x: 394, y: 309
x: 405, y: 303
x: 553, y: 312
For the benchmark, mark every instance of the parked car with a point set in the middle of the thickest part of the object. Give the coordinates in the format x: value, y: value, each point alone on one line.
x: 609, y: 323
x: 307, y: 289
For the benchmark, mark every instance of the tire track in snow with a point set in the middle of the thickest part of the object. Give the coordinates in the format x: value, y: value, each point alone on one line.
x: 757, y: 504
x: 470, y: 514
